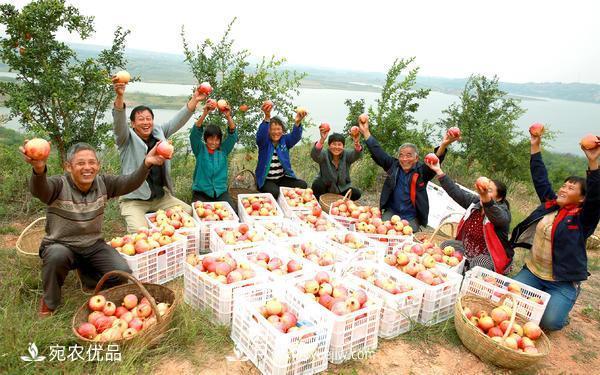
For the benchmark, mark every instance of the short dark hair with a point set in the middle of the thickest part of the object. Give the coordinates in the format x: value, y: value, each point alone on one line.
x: 140, y: 108
x: 212, y: 130
x: 278, y: 121
x: 501, y: 191
x: 79, y: 146
x: 336, y: 137
x: 581, y: 181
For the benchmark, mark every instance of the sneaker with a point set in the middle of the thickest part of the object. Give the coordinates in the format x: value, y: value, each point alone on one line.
x: 44, y: 310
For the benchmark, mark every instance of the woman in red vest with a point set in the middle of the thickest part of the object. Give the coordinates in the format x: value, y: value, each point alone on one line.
x: 483, y: 231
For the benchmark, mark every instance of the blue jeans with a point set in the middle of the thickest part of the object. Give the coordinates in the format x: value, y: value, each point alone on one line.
x: 563, y: 295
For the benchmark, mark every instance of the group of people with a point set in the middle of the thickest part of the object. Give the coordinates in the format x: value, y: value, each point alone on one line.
x: 555, y: 232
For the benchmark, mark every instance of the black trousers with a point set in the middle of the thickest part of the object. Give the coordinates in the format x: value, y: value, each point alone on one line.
x: 272, y: 186
x: 225, y: 197
x: 93, y: 262
x: 319, y: 188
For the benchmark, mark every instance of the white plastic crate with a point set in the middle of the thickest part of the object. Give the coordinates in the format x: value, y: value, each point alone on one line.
x: 192, y: 234
x: 352, y: 333
x: 217, y: 244
x: 286, y: 224
x: 246, y: 218
x: 160, y: 265
x: 275, y: 353
x: 391, y: 241
x: 346, y: 222
x: 289, y: 210
x: 410, y: 241
x: 370, y: 249
x: 321, y: 246
x: 204, y: 292
x: 438, y: 301
x: 527, y: 309
x: 288, y: 278
x: 206, y: 225
x: 400, y: 311
x: 333, y: 227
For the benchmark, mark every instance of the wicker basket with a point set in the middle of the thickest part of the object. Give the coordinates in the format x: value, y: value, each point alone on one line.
x: 327, y: 199
x: 28, y: 243
x: 240, y: 186
x: 483, y: 346
x: 153, y: 292
x: 439, y: 235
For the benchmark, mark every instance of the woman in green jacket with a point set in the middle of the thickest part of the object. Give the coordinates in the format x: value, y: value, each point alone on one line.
x: 211, y: 152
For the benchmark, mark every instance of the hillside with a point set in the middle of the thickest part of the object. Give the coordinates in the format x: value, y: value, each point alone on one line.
x: 171, y: 68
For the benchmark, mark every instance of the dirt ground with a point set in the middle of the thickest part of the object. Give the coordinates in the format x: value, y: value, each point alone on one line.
x: 574, y: 349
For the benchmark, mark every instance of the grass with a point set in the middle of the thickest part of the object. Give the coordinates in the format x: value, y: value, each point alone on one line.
x: 575, y: 335
x: 441, y: 333
x: 19, y: 325
x: 9, y: 229
x: 585, y: 356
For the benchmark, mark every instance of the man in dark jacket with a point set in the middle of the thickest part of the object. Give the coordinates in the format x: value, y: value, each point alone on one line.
x: 556, y: 234
x: 404, y: 192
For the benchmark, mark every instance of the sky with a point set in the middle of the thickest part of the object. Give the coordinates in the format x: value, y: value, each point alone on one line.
x: 520, y: 41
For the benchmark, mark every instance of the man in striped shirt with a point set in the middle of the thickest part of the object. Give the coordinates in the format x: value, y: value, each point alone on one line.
x: 74, y: 216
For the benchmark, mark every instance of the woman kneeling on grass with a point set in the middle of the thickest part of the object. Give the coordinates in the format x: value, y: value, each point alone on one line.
x: 482, y: 234
x: 274, y: 168
x: 556, y: 234
x: 210, y: 174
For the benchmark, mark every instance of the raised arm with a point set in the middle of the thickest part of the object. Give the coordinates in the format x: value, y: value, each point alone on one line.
x: 539, y: 174
x: 317, y: 153
x: 232, y: 134
x: 460, y: 196
x: 262, y: 134
x: 120, y: 128
x: 41, y: 187
x: 590, y: 213
x: 380, y: 157
x: 355, y: 152
x: 125, y: 184
x: 296, y: 134
x: 181, y: 118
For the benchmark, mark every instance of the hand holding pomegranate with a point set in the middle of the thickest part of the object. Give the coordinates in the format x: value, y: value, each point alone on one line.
x: 300, y: 115
x: 153, y: 157
x: 36, y: 152
x: 210, y: 105
x: 536, y: 143
x: 118, y: 86
x: 363, y: 125
x: 434, y: 164
x: 452, y: 135
x: 267, y: 107
x: 592, y: 155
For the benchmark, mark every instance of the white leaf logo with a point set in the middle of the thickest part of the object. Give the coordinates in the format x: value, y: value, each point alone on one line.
x: 33, y: 354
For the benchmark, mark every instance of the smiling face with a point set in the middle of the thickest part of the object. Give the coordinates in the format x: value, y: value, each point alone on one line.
x: 408, y: 157
x: 143, y: 124
x: 275, y: 132
x: 213, y: 142
x: 569, y: 194
x: 336, y: 148
x: 83, y: 167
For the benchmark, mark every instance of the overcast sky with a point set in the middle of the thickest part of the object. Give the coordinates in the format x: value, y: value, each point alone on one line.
x: 520, y: 41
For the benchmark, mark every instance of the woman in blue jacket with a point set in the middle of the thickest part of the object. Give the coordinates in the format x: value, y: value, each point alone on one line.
x: 556, y: 234
x: 274, y: 168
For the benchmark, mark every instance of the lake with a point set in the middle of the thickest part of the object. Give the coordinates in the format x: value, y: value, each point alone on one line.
x: 572, y: 119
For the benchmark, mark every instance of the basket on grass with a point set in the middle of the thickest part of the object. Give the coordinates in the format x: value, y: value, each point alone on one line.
x: 241, y: 184
x: 327, y: 199
x: 28, y: 243
x: 487, y: 349
x: 147, y: 337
